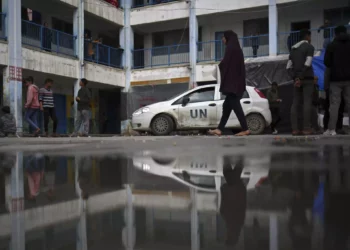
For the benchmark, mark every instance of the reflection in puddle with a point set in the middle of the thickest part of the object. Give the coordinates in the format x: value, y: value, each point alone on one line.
x: 274, y: 200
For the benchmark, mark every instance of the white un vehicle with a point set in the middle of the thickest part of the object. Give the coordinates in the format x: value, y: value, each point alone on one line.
x: 201, y: 109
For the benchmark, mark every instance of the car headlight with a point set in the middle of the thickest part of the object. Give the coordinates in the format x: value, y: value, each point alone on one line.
x: 141, y: 111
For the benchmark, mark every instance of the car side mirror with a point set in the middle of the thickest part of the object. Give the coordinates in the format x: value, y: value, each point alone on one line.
x: 185, y: 101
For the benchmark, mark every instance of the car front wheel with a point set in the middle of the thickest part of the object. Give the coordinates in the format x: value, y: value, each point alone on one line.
x: 162, y: 125
x: 256, y: 124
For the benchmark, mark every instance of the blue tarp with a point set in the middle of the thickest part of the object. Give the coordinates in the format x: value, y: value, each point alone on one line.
x: 319, y: 68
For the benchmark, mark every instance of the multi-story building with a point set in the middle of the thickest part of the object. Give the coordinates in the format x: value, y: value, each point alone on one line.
x: 147, y: 43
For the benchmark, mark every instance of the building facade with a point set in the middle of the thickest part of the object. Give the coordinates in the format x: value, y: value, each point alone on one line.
x: 140, y: 46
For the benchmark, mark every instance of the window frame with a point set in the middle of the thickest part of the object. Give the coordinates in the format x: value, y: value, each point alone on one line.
x: 179, y: 101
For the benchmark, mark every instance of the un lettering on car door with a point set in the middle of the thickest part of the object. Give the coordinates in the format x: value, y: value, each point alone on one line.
x: 197, y: 115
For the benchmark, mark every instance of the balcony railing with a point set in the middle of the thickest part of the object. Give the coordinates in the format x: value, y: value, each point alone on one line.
x: 47, y: 39
x: 103, y: 54
x: 161, y: 56
x: 320, y: 38
x: 2, y: 26
x: 142, y: 3
x: 252, y: 46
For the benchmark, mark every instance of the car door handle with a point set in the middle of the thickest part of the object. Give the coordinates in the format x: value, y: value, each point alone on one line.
x: 246, y: 102
x: 212, y: 104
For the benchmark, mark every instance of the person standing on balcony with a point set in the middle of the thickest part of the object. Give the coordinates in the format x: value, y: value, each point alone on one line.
x: 255, y: 44
x: 82, y: 117
x: 32, y: 105
x: 47, y: 106
x: 46, y: 38
x: 233, y: 85
x: 327, y: 32
x: 300, y: 68
x: 338, y: 61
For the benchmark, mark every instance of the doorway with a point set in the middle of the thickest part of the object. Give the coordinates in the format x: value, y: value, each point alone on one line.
x: 297, y: 26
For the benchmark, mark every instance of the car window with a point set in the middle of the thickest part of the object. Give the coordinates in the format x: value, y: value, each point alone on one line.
x: 245, y: 95
x: 202, y: 181
x: 201, y: 95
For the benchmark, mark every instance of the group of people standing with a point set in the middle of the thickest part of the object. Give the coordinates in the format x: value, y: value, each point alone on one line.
x: 43, y: 100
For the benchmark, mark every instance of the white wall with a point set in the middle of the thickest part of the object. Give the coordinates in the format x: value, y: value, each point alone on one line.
x: 159, y: 74
x: 106, y: 75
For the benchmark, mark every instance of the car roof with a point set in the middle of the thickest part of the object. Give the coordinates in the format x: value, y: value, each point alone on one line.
x: 214, y: 85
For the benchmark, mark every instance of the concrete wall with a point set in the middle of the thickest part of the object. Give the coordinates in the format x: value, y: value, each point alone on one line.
x: 166, y: 73
x: 105, y: 11
x: 106, y: 75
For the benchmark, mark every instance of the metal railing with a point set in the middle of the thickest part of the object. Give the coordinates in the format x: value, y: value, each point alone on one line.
x: 252, y: 46
x: 161, y: 56
x: 142, y: 3
x: 47, y: 39
x: 2, y: 26
x: 103, y: 54
x: 320, y: 38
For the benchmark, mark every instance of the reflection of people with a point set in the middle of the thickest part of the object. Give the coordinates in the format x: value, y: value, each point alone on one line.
x: 234, y: 201
x: 34, y: 167
x: 299, y: 226
x: 233, y: 85
x: 84, y: 176
x: 274, y: 101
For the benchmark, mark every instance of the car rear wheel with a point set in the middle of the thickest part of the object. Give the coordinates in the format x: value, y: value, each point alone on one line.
x: 162, y: 125
x: 256, y: 124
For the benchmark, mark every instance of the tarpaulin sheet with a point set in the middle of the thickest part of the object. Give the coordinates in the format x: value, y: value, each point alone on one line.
x: 319, y: 68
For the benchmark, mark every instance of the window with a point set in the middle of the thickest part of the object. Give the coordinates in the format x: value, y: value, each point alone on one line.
x: 245, y: 96
x: 201, y: 95
x: 158, y: 39
x: 339, y: 16
x: 256, y: 27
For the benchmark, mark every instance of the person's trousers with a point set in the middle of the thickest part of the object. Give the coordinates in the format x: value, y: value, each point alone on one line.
x: 302, y: 98
x: 50, y: 112
x: 32, y: 118
x: 232, y: 102
x: 337, y: 89
x: 276, y: 118
x: 82, y: 119
x: 326, y: 107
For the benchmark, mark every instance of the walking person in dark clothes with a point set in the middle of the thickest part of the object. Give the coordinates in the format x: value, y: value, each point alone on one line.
x: 338, y: 61
x: 47, y: 105
x: 274, y: 101
x: 83, y: 115
x: 300, y: 68
x: 233, y: 85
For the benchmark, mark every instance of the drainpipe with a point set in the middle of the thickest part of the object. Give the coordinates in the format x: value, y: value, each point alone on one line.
x: 193, y: 43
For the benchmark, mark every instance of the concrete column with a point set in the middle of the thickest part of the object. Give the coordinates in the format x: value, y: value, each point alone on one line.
x: 195, y: 237
x: 193, y: 43
x: 12, y: 84
x: 17, y: 204
x: 78, y: 29
x: 126, y: 38
x: 273, y: 232
x: 273, y: 28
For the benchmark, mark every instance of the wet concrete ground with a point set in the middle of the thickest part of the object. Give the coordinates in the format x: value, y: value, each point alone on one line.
x: 259, y: 192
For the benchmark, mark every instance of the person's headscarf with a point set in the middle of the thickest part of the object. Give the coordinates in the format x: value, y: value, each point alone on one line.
x: 232, y: 40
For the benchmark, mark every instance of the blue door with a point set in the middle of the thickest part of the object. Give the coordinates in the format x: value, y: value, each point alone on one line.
x: 61, y: 113
x: 219, y: 46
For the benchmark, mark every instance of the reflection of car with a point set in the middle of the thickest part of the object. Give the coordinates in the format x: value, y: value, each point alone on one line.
x: 201, y: 108
x: 204, y: 174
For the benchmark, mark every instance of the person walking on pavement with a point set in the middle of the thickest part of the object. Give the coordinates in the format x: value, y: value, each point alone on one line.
x: 300, y: 68
x: 233, y: 85
x: 32, y: 105
x: 47, y: 105
x: 338, y: 61
x: 82, y: 117
x: 274, y: 101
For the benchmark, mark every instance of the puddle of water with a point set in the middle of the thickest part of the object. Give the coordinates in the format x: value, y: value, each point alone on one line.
x: 283, y: 196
